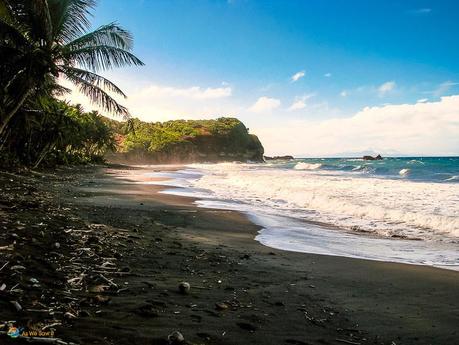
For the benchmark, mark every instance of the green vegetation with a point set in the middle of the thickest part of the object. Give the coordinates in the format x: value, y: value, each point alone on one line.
x: 42, y: 42
x: 61, y: 133
x: 188, y: 141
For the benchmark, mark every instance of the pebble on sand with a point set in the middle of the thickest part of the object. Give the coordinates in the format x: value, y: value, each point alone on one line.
x: 184, y: 288
x: 176, y: 338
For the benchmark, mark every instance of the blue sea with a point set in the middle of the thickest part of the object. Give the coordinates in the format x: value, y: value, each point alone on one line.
x: 434, y: 169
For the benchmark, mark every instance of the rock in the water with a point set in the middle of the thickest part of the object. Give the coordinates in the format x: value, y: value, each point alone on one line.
x: 279, y: 158
x: 184, y: 288
x: 371, y: 158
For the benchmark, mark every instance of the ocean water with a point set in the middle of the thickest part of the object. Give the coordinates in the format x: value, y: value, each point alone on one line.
x: 395, y: 209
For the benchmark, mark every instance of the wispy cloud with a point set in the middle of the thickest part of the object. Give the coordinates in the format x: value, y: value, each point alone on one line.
x: 370, y: 90
x: 265, y: 104
x: 300, y: 102
x: 327, y: 75
x: 195, y: 92
x: 297, y: 76
x: 386, y: 87
x: 443, y: 88
x: 420, y: 11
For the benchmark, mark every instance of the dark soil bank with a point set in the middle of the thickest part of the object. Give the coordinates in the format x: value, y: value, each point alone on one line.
x: 90, y: 257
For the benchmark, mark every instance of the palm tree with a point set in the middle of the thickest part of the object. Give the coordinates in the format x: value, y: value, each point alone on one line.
x: 42, y: 41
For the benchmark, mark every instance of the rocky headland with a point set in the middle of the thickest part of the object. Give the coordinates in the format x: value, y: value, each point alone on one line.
x: 185, y: 141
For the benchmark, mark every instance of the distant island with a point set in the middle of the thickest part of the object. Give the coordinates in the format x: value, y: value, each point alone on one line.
x: 184, y: 141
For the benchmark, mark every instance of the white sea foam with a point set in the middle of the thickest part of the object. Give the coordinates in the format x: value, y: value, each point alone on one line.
x: 404, y: 172
x: 307, y: 166
x: 382, y: 206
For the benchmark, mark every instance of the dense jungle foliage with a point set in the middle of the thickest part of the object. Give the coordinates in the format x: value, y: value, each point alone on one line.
x: 43, y: 42
x: 159, y: 136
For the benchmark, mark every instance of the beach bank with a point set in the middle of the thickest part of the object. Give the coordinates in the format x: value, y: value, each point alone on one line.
x: 241, y: 291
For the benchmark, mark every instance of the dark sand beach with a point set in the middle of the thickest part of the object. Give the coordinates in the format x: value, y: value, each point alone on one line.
x: 101, y: 257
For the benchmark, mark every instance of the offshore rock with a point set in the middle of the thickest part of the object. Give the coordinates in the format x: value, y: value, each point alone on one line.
x: 279, y: 158
x: 371, y: 158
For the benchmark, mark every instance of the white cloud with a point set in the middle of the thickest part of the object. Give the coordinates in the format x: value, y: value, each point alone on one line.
x: 385, y: 88
x: 430, y: 128
x: 343, y: 93
x: 297, y: 76
x: 300, y: 102
x: 327, y: 75
x: 152, y: 102
x: 297, y: 105
x: 265, y: 104
x: 195, y: 92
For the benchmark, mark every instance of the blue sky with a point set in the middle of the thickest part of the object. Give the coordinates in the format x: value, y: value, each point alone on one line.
x: 285, y: 65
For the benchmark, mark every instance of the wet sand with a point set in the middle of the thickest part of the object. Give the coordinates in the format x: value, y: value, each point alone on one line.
x: 241, y: 291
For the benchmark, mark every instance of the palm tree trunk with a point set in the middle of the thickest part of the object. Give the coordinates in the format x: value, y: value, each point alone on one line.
x: 43, y: 154
x: 13, y: 111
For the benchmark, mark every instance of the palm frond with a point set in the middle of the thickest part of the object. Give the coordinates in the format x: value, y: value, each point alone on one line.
x: 39, y: 18
x: 92, y: 78
x: 111, y: 35
x: 70, y: 18
x: 5, y: 10
x: 11, y: 33
x: 98, y: 96
x: 101, y: 57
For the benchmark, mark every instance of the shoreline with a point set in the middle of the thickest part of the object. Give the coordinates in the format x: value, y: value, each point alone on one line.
x: 290, y: 233
x: 242, y: 292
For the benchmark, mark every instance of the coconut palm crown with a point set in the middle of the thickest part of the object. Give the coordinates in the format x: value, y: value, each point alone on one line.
x: 42, y: 41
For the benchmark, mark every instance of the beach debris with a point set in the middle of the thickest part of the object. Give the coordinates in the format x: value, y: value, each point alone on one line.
x: 184, y: 288
x: 16, y: 305
x: 175, y: 338
x: 69, y: 315
x: 17, y: 268
x: 347, y: 341
x: 221, y: 306
x: 4, y: 265
x: 98, y: 288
